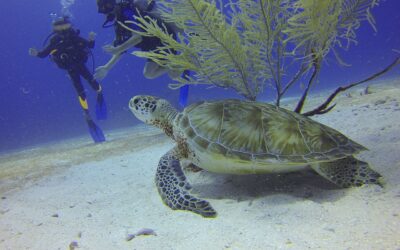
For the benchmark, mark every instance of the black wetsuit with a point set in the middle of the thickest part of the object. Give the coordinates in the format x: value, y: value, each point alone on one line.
x: 70, y: 52
x: 127, y: 11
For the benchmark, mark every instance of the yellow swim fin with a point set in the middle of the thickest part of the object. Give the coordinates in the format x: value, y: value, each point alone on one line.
x: 83, y: 103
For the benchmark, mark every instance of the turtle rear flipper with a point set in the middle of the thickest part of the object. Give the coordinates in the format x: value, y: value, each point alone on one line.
x: 174, y: 188
x: 348, y: 172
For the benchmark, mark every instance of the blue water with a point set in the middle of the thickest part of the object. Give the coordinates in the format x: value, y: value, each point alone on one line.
x: 38, y: 103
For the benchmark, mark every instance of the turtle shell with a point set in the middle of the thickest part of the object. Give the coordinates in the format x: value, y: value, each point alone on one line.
x: 261, y: 132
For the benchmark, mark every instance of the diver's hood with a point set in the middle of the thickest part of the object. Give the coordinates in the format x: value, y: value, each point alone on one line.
x: 105, y: 6
x: 61, y: 21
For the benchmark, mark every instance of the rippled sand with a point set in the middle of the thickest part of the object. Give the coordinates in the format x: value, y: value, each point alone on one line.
x: 93, y: 196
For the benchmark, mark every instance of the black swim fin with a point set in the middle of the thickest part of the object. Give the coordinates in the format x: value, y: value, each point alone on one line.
x: 101, y: 107
x: 95, y: 131
x: 184, y: 91
x: 183, y: 95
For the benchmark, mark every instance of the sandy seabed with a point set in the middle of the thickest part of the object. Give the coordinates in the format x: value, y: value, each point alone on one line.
x: 75, y: 194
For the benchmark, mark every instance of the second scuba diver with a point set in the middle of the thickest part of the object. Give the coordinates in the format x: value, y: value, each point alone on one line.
x: 126, y: 10
x: 120, y: 11
x: 70, y: 52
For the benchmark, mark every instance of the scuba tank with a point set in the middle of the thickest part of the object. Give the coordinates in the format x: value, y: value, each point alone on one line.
x: 105, y: 6
x: 114, y: 9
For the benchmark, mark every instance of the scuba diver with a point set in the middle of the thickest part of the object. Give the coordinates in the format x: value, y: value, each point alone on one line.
x: 70, y: 52
x: 126, y: 10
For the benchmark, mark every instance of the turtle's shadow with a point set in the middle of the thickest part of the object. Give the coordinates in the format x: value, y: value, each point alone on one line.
x: 302, y: 184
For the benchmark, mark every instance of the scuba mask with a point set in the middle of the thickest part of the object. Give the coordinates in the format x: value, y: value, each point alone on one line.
x: 62, y: 24
x: 105, y: 6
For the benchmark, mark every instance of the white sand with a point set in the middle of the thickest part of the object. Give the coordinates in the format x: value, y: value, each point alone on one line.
x: 97, y: 194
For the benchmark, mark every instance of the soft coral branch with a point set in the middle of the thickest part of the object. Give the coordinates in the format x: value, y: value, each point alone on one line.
x: 323, y: 108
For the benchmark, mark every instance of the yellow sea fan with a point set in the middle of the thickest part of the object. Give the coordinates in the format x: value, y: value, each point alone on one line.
x: 248, y: 44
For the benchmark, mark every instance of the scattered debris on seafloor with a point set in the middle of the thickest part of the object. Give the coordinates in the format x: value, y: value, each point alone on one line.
x: 367, y: 90
x: 73, y: 245
x: 143, y: 231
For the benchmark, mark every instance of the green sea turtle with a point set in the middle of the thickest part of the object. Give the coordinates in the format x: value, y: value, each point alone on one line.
x: 241, y: 137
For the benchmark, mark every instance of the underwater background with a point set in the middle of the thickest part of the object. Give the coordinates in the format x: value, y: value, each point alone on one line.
x: 38, y: 103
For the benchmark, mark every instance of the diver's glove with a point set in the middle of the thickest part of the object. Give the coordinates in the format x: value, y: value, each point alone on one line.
x: 92, y: 36
x: 111, y: 49
x: 33, y: 52
x: 101, y: 72
x: 130, y: 43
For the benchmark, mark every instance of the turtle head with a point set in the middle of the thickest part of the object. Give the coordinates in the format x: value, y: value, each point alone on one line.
x: 152, y: 110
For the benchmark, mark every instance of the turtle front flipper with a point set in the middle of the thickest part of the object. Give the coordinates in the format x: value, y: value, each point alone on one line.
x: 348, y: 172
x: 174, y: 188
